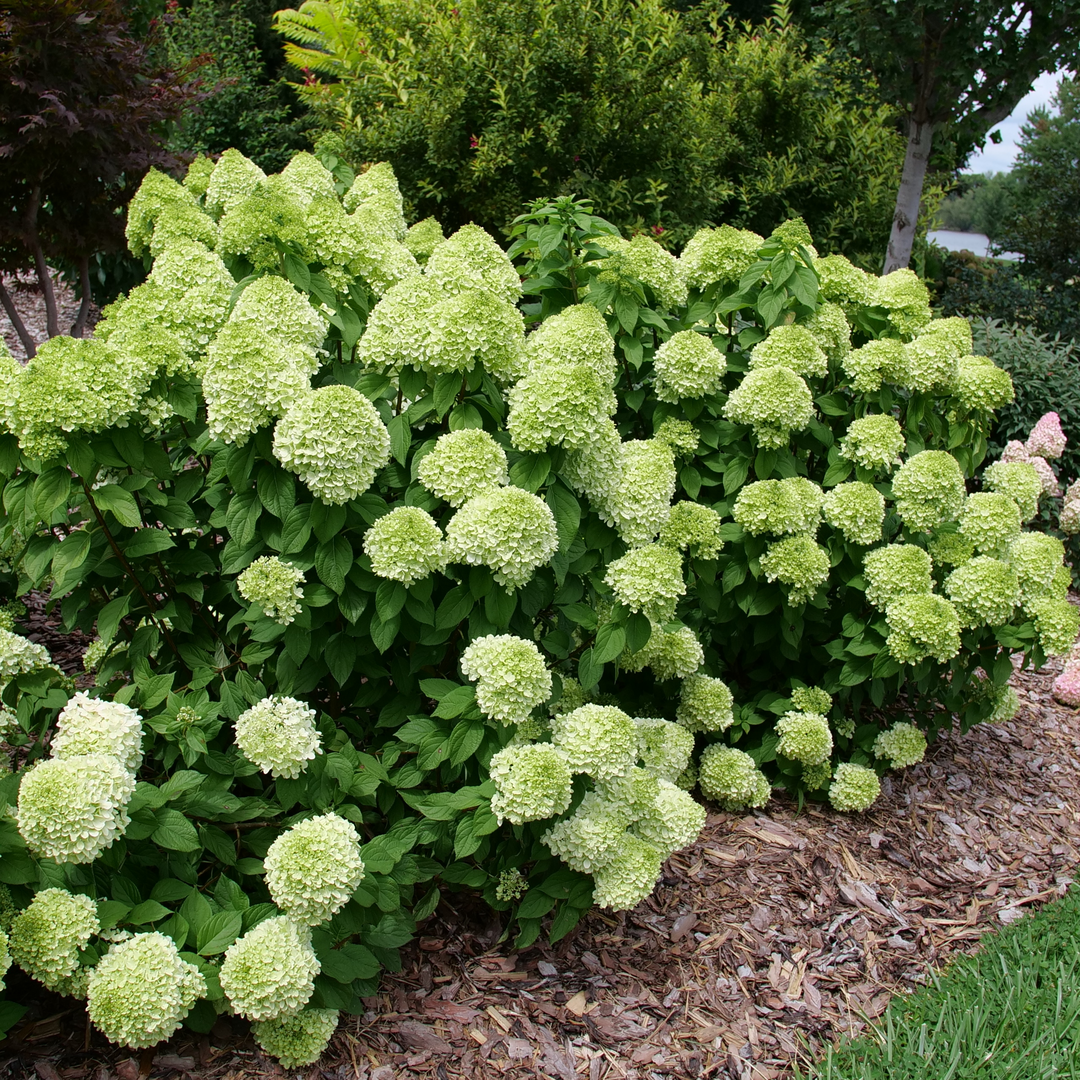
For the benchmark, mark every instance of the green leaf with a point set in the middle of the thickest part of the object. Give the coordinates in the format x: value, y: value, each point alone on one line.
x: 296, y: 270
x: 149, y: 911
x: 833, y: 405
x: 455, y: 608
x: 109, y: 616
x: 242, y: 517
x: 277, y: 490
x: 530, y: 471
x: 174, y: 831
x: 735, y: 474
x: 148, y: 541
x: 626, y: 310
x: 352, y: 961
x: 400, y: 437
x: 71, y: 553
x: 333, y: 560
x: 589, y: 670
x: 610, y: 642
x: 456, y: 702
x: 465, y: 739
x: 296, y: 529
x: 837, y: 473
x: 638, y: 631
x: 390, y: 597
x: 51, y: 490
x: 446, y: 390
x: 218, y: 932
x: 567, y: 511
x: 535, y: 904
x: 120, y: 503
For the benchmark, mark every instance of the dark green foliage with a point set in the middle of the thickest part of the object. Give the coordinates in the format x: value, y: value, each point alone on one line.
x: 979, y: 204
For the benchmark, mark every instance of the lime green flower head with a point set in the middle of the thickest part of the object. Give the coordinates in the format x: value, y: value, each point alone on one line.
x: 804, y: 737
x: 278, y: 734
x: 779, y: 507
x: 950, y: 548
x: 648, y: 579
x: 665, y: 747
x: 922, y: 626
x: 694, y: 528
x: 674, y: 821
x: 643, y: 259
x: 688, y: 365
x: 854, y: 788
x: 668, y: 654
x: 270, y: 971
x: 197, y: 177
x: 774, y: 401
x: 900, y: 745
x: 158, y: 194
x: 309, y: 178
x: 793, y: 347
x: 405, y: 545
x: 257, y: 227
x: 576, y: 335
x: 844, y: 283
x: 398, y: 326
x: 1019, y: 480
x: 283, y: 311
x: 929, y: 489
x: 984, y: 590
x: 981, y: 385
x: 1036, y: 558
x: 275, y: 586
x: 471, y: 259
x: 47, y: 937
x: 857, y: 510
x: 731, y: 778
x: 510, y: 674
x: 630, y: 876
x: 639, y: 502
x: 558, y: 404
x: 1057, y: 623
x: 990, y: 520
x: 799, y: 563
x: 705, y: 704
x: 811, y: 699
x: 462, y: 464
x: 878, y: 361
x: 591, y: 836
x: 423, y: 238
x: 532, y: 782
x: 599, y: 740
x: 19, y: 655
x: 932, y: 363
x: 471, y: 326
x: 376, y: 192
x: 89, y: 725
x: 718, y: 255
x: 233, y: 179
x: 297, y: 1039
x: 831, y: 331
x: 906, y: 299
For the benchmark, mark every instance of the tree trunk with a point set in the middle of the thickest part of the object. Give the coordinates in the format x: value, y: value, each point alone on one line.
x: 909, y: 197
x: 20, y: 327
x: 78, y: 328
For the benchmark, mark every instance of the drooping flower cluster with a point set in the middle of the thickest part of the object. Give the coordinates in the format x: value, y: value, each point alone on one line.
x: 48, y: 935
x: 532, y: 781
x: 799, y: 563
x: 793, y: 347
x: 298, y: 1038
x: 985, y: 591
x: 857, y: 510
x: 510, y: 675
x: 922, y: 626
x: 648, y: 579
x: 688, y: 365
x: 731, y: 778
x: 275, y: 586
x: 774, y: 401
x: 278, y: 734
x: 270, y: 971
x: 718, y: 255
x: 873, y: 442
x: 463, y: 464
x: 901, y: 745
x: 779, y: 507
x: 694, y: 528
x: 89, y: 725
x: 405, y: 545
x: 854, y: 788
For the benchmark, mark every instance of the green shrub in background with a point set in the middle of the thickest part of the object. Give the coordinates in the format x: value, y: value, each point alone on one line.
x: 667, y: 120
x: 392, y: 598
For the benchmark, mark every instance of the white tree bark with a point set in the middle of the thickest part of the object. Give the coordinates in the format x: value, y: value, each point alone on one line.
x: 909, y: 197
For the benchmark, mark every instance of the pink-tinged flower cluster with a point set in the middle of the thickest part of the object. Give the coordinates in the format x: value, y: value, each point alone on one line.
x: 1066, y: 688
x: 1069, y: 519
x: 1018, y: 451
x: 1047, y: 440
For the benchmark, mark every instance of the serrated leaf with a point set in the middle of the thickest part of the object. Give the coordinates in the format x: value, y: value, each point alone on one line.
x: 218, y: 932
x: 610, y: 642
x: 120, y: 503
x: 465, y: 739
x: 174, y: 831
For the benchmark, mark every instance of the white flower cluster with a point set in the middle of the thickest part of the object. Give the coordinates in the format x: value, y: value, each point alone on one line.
x: 932, y: 363
x: 873, y: 442
x: 648, y: 579
x: 1037, y: 559
x: 510, y: 675
x: 906, y: 300
x: 474, y: 325
x: 89, y: 725
x: 981, y: 384
x: 843, y: 282
x: 274, y: 585
x: 532, y: 781
x: 18, y: 656
x: 279, y: 735
x: 48, y: 935
x: 791, y: 346
x: 901, y: 745
x: 984, y: 590
x: 800, y: 563
x: 299, y: 1038
x: 929, y: 489
x: 463, y: 464
x: 990, y: 520
x: 600, y: 740
x: 854, y: 788
x: 471, y: 259
x: 774, y: 401
x: 779, y: 507
x: 878, y: 361
x: 831, y: 331
x: 664, y: 748
x: 283, y: 311
x: 558, y: 404
x: 705, y: 704
x: 805, y: 737
x: 405, y: 545
x: 270, y: 971
x: 688, y: 365
x: 576, y: 335
x: 668, y: 654
x: 638, y: 492
x: 857, y: 510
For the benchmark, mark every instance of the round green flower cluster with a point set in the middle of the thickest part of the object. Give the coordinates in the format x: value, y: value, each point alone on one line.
x: 878, y: 361
x: 313, y: 869
x: 1057, y: 623
x: 665, y: 747
x: 793, y: 347
x: 308, y: 177
x: 627, y: 879
x: 376, y: 256
x: 956, y: 330
x: 512, y: 886
x: 906, y: 299
x: 423, y: 238
x: 873, y: 442
x: 1006, y: 703
x: 901, y: 745
x: 591, y: 836
x: 811, y: 699
x: 376, y: 190
x: 19, y: 656
x: 233, y: 179
x: 793, y: 234
x: 397, y: 327
x: 471, y: 259
x: 799, y: 563
x: 731, y: 778
x: 648, y: 579
x: 774, y: 401
x: 558, y: 404
x: 638, y: 495
x: 984, y: 590
x: 297, y: 1039
x: 271, y: 217
x: 474, y: 325
x: 929, y: 489
x: 1019, y: 480
x: 854, y: 788
x: 278, y: 734
x: 843, y: 282
x: 857, y: 510
x: 688, y: 365
x: 274, y: 585
x: 643, y: 259
x: 48, y: 935
x: 141, y: 991
x: 532, y: 781
x: 718, y: 255
x: 932, y: 363
x: 679, y: 436
x: 922, y: 626
x: 510, y: 675
x: 831, y: 331
x: 508, y: 529
x: 694, y: 528
x: 461, y: 465
x: 270, y: 971
x: 949, y: 548
x: 334, y: 239
x: 777, y: 507
x: 576, y: 335
x: 1036, y: 558
x: 705, y: 704
x: 405, y: 545
x: 162, y: 206
x: 335, y: 441
x: 89, y: 725
x: 599, y: 740
x: 979, y: 384
x: 990, y: 520
x: 593, y: 471
x: 675, y: 820
x: 805, y: 737
x: 673, y: 654
x: 284, y: 312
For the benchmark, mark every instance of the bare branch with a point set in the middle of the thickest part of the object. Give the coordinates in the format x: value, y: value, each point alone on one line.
x: 28, y: 342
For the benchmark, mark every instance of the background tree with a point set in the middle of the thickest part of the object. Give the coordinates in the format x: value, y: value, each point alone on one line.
x: 979, y: 204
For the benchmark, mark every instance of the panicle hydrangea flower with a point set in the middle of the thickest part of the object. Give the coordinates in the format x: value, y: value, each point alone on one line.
x: 594, y: 470
x: 1069, y: 518
x: 508, y: 529
x: 805, y: 737
x: 376, y: 189
x: 675, y: 821
x: 695, y: 528
x: 1036, y: 558
x: 881, y: 360
x: 793, y: 347
x: 405, y: 545
x: 157, y: 194
x: 71, y: 809
x: 679, y: 436
x: 990, y: 520
x: 648, y: 579
x: 423, y: 238
x: 799, y: 563
x: 730, y: 777
x: 854, y: 788
x: 18, y: 656
x: 590, y: 837
x: 831, y: 331
x: 1056, y: 622
x: 397, y: 328
x: 843, y: 282
x: 688, y: 365
x: 462, y: 464
x: 599, y: 740
x: 811, y: 699
x: 1047, y: 440
x: 906, y: 300
x: 815, y: 777
x: 705, y: 704
x: 1006, y: 703
x: 779, y: 507
x: 331, y: 234
x: 283, y: 311
x: 89, y: 725
x: 197, y: 177
x: 532, y: 781
x: 153, y: 348
x: 473, y: 325
x: 274, y: 585
x: 931, y: 363
x: 510, y: 675
x: 558, y: 404
x: 471, y: 259
x: 981, y: 384
x: 182, y: 222
x: 950, y: 548
x: 308, y: 177
x: 639, y: 503
x: 644, y: 259
x: 256, y: 228
x: 298, y: 1039
x: 1066, y: 688
x: 278, y: 734
x: 1018, y: 480
x: 1016, y: 451
x: 313, y: 869
x: 141, y: 991
x: 5, y: 958
x: 793, y: 234
x: 718, y: 255
x: 576, y: 335
x: 774, y: 401
x: 47, y: 937
x: 333, y: 439
x: 672, y: 654
x: 857, y: 510
x: 665, y: 747
x: 929, y: 489
x: 512, y: 886
x: 190, y: 292
x: 956, y: 330
x: 901, y: 745
x: 922, y: 626
x: 630, y: 876
x: 571, y: 698
x: 270, y: 971
x: 984, y: 590
x: 377, y: 255
x: 233, y: 179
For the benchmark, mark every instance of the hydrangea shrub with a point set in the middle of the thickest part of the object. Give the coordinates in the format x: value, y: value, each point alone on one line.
x: 412, y: 569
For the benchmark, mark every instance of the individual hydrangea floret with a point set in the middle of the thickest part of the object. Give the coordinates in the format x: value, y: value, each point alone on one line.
x: 854, y: 788
x: 639, y: 503
x: 929, y: 489
x: 774, y: 401
x: 279, y: 735
x: 901, y: 745
x: 270, y: 971
x: 47, y: 937
x: 18, y: 656
x: 990, y: 520
x: 141, y: 991
x: 718, y: 255
x: 298, y: 1039
x: 731, y: 778
x: 793, y: 347
x: 857, y: 510
x: 405, y: 545
x: 675, y: 822
x: 591, y: 836
x: 508, y: 529
x: 1047, y: 440
x: 599, y: 740
x: 694, y: 528
x: 648, y: 579
x: 642, y: 259
x: 510, y: 675
x: 313, y: 869
x: 89, y: 725
x: 831, y: 331
x: 688, y: 365
x: 1057, y: 623
x: 779, y: 507
x: 558, y: 405
x: 843, y: 282
x: 472, y: 259
x: 984, y: 590
x: 275, y: 586
x: 1036, y: 558
x: 921, y: 627
x: 665, y: 747
x: 804, y: 737
x: 669, y: 654
x: 799, y: 563
x: 463, y: 464
x: 705, y: 704
x: 906, y: 300
x: 576, y: 335
x: 629, y: 877
x: 981, y: 385
x: 1017, y: 479
x: 532, y: 781
x: 335, y: 441
x: 873, y: 442
x: 878, y: 361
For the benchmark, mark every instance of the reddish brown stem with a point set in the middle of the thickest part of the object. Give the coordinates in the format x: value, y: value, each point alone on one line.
x: 28, y: 342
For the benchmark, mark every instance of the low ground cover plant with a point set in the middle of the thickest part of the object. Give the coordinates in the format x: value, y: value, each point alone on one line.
x: 414, y: 569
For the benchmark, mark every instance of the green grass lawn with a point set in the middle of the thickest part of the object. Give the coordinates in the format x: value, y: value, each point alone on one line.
x: 1011, y: 1012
